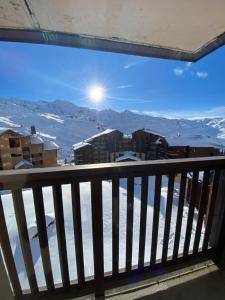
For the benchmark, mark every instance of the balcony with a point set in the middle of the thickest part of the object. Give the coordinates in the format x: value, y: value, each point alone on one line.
x: 203, y: 236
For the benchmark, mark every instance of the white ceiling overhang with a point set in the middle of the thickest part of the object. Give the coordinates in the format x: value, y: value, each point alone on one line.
x: 175, y: 29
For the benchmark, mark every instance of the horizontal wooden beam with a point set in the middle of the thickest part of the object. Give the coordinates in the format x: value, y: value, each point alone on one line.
x: 14, y: 179
x: 109, y: 45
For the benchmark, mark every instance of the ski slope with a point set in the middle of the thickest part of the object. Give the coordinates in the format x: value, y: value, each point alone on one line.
x: 68, y: 124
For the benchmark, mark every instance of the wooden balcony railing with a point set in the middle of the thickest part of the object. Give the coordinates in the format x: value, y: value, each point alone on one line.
x: 175, y: 170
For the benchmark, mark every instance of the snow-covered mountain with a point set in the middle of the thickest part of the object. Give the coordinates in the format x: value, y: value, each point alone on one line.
x: 67, y: 124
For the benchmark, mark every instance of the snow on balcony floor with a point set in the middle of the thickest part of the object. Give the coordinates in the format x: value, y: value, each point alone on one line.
x: 87, y: 230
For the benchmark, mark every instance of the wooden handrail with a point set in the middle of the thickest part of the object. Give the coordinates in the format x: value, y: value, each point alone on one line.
x: 15, y: 179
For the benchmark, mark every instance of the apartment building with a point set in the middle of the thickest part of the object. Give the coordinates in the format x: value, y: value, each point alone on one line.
x: 19, y: 151
x: 188, y: 151
x: 112, y: 145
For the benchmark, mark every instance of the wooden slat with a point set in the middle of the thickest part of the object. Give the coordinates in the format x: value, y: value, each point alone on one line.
x: 7, y: 253
x: 60, y: 228
x: 191, y: 212
x: 115, y: 225
x: 217, y: 235
x: 43, y: 237
x: 211, y: 209
x: 130, y: 217
x: 202, y: 210
x: 155, y: 224
x: 24, y: 239
x: 5, y: 286
x: 97, y: 229
x: 168, y: 217
x: 143, y: 219
x: 78, y: 237
x: 179, y: 214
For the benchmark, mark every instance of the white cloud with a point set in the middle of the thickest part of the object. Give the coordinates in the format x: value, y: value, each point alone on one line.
x: 178, y: 71
x: 186, y: 69
x: 125, y: 86
x: 135, y: 111
x: 215, y: 112
x: 181, y: 71
x: 188, y: 65
x: 135, y: 63
x: 201, y: 74
x: 132, y: 64
x: 130, y: 100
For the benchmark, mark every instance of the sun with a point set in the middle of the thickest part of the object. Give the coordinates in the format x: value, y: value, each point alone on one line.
x: 96, y: 93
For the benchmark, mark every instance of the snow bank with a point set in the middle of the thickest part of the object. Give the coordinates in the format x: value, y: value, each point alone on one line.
x: 50, y: 145
x: 46, y: 135
x: 7, y: 121
x: 36, y: 139
x: 52, y: 117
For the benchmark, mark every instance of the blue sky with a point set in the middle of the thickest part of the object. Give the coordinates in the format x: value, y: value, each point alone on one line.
x: 146, y: 85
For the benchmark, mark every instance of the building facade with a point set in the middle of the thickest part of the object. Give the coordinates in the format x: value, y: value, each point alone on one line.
x: 112, y: 145
x: 150, y: 145
x: 18, y: 151
x: 188, y: 151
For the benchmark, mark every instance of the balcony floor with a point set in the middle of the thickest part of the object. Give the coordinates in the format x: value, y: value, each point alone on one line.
x: 204, y: 281
x: 198, y: 280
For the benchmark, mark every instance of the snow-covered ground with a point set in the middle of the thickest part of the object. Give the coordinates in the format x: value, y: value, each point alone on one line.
x: 8, y: 122
x: 52, y: 117
x: 87, y: 230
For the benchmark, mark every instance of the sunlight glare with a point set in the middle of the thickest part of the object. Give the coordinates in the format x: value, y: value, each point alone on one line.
x: 96, y: 93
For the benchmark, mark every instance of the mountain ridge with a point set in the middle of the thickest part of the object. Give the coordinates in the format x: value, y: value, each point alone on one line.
x: 67, y: 124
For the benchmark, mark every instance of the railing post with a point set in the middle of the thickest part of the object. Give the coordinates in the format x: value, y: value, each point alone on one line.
x: 6, y: 291
x: 217, y: 236
x: 115, y: 226
x: 97, y: 229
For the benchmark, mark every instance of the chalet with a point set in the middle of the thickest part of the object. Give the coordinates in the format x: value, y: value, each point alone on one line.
x: 23, y: 151
x: 188, y: 151
x: 149, y: 144
x: 99, y: 148
x: 112, y: 145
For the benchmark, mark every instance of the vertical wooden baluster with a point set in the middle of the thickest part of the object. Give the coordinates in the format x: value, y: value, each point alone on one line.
x: 202, y: 210
x: 130, y: 216
x: 155, y: 224
x: 143, y: 219
x: 60, y: 228
x: 179, y: 214
x: 194, y: 190
x: 211, y: 209
x: 97, y: 228
x: 168, y: 217
x: 5, y: 287
x: 217, y: 235
x: 43, y: 237
x: 24, y: 239
x: 75, y: 191
x: 7, y: 253
x: 115, y: 225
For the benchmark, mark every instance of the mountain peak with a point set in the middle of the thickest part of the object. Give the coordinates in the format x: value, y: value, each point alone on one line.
x: 67, y: 123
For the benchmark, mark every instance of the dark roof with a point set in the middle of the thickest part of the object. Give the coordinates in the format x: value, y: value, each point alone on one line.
x: 150, y: 132
x: 9, y: 131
